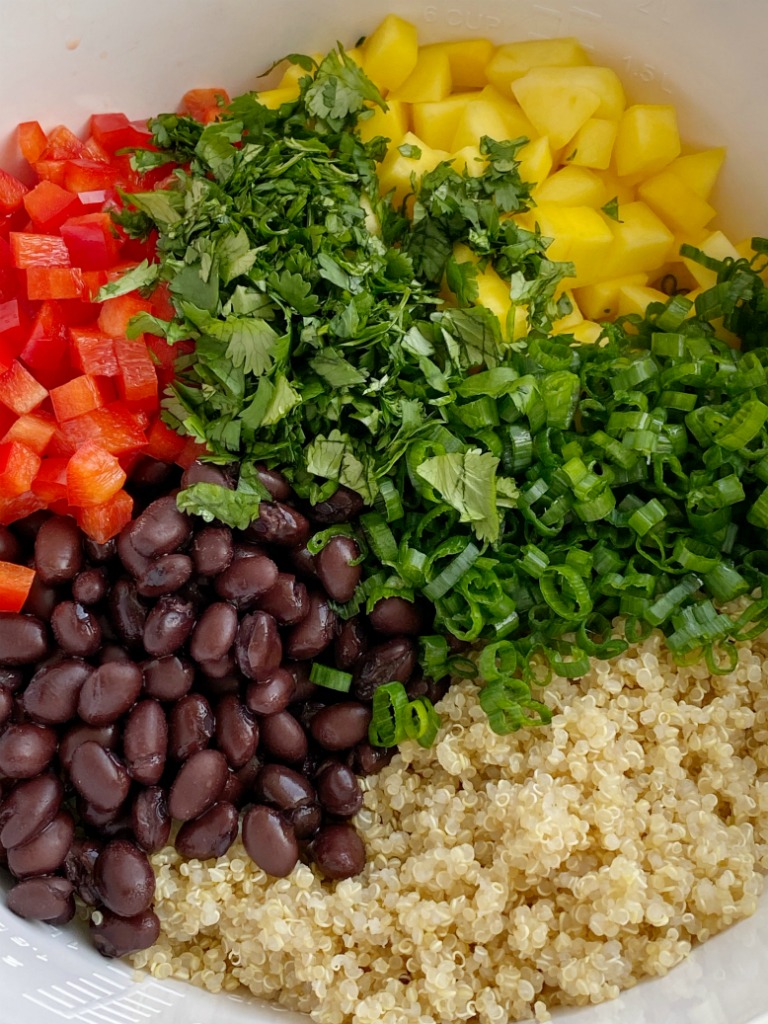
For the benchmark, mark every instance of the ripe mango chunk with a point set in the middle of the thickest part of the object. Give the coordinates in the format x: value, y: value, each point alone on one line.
x: 492, y: 291
x: 636, y: 299
x: 515, y: 121
x: 573, y: 186
x: 592, y: 145
x: 647, y: 139
x: 295, y: 72
x: 468, y: 59
x: 486, y: 117
x: 390, y: 52
x: 274, y: 98
x: 699, y: 171
x: 391, y: 123
x: 641, y: 241
x: 677, y: 205
x: 580, y: 235
x: 565, y: 324
x: 469, y: 159
x: 535, y: 160
x: 600, y: 301
x: 512, y: 60
x: 429, y: 81
x: 720, y: 247
x: 553, y: 104
x: 436, y: 122
x: 396, y: 170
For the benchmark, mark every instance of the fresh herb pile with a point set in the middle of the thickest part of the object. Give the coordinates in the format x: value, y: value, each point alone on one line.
x: 533, y: 491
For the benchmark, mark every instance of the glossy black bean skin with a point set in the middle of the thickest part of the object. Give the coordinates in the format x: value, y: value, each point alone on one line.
x: 433, y: 689
x: 58, y: 550
x: 168, y: 678
x: 305, y: 688
x: 338, y: 851
x: 337, y: 570
x: 78, y: 868
x: 246, y: 579
x: 306, y: 819
x: 76, y: 629
x: 168, y: 625
x: 392, y: 661
x: 99, y: 776
x: 115, y: 936
x: 237, y: 731
x: 46, y: 898
x: 134, y: 562
x: 127, y: 612
x: 258, y: 647
x: 221, y: 675
x: 198, y: 784
x: 52, y: 694
x: 100, y: 553
x: 190, y: 726
x: 205, y: 473
x: 303, y: 562
x: 270, y: 841
x: 41, y: 600
x: 212, y: 550
x: 151, y: 475
x: 46, y: 851
x: 246, y: 777
x: 10, y: 549
x: 341, y: 725
x: 6, y: 704
x: 23, y: 639
x: 234, y: 791
x: 342, y: 506
x: 351, y: 643
x: 145, y: 742
x: 214, y: 633
x: 314, y: 633
x: 124, y: 878
x: 368, y: 760
x: 338, y: 790
x: 90, y: 587
x: 210, y: 835
x: 150, y: 820
x: 394, y: 616
x: 275, y: 483
x: 283, y: 737
x: 274, y: 693
x: 160, y: 529
x: 29, y: 808
x: 278, y: 523
x: 26, y: 750
x: 165, y: 575
x: 11, y: 679
x: 282, y: 787
x: 109, y: 691
x: 287, y: 601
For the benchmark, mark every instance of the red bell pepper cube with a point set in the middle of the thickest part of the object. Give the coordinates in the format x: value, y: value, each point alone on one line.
x: 97, y: 199
x: 62, y: 144
x: 19, y: 391
x: 55, y: 283
x: 15, y: 583
x: 91, y: 241
x: 49, y: 205
x: 115, y: 131
x: 93, y: 281
x: 35, y: 250
x: 204, y: 104
x: 51, y: 170
x: 34, y: 429
x: 50, y: 484
x: 80, y: 395
x: 19, y: 507
x: 137, y: 382
x: 93, y: 352
x: 114, y: 428
x: 8, y: 274
x: 94, y: 151
x: 12, y: 192
x: 191, y: 452
x: 116, y: 314
x: 32, y: 140
x: 13, y: 328
x: 164, y: 444
x: 85, y: 175
x: 102, y: 522
x: 93, y: 476
x: 19, y: 466
x: 45, y: 352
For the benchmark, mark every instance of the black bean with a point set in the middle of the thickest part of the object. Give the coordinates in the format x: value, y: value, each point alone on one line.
x: 214, y: 633
x: 46, y: 898
x: 41, y: 600
x: 150, y: 820
x: 198, y: 784
x: 106, y: 736
x: 90, y: 586
x: 305, y: 688
x: 303, y: 561
x: 221, y: 675
x: 395, y: 615
x: 161, y: 528
x: 210, y: 835
x: 168, y: 678
x: 127, y: 612
x: 76, y: 629
x: 234, y: 791
x: 6, y: 704
x: 237, y: 732
x: 205, y: 473
x: 46, y: 851
x: 337, y: 568
x: 23, y: 639
x: 26, y: 750
x: 274, y: 693
x: 115, y: 936
x: 145, y: 742
x: 79, y: 865
x: 338, y: 851
x: 338, y: 790
x: 58, y: 550
x: 275, y: 483
x: 168, y: 625
x: 433, y: 689
x: 52, y: 693
x: 315, y: 632
x: 246, y: 579
x: 109, y: 692
x: 342, y: 506
x: 99, y: 776
x: 100, y: 553
x: 305, y: 818
x: 10, y: 549
x: 134, y: 562
x: 282, y: 787
x: 287, y: 601
x: 392, y: 661
x: 369, y: 760
x: 212, y: 550
x: 258, y: 648
x: 29, y: 808
x: 246, y: 776
x: 351, y: 643
x: 283, y: 737
x: 114, y: 824
x: 278, y: 523
x: 11, y: 679
x: 152, y: 475
x: 190, y: 726
x: 124, y: 878
x: 270, y: 841
x: 165, y: 575
x: 342, y: 725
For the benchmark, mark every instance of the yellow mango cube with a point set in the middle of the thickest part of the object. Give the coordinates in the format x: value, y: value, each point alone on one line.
x: 677, y: 205
x: 516, y: 123
x: 397, y: 172
x: 535, y: 160
x: 641, y: 241
x: 478, y: 118
x: 587, y: 332
x: 392, y: 123
x: 699, y: 171
x: 513, y: 60
x: 390, y: 52
x: 553, y: 104
x: 469, y: 159
x: 429, y: 81
x: 719, y: 247
x: 435, y: 123
x: 572, y: 186
x: 493, y: 293
x: 592, y: 145
x: 274, y: 98
x: 600, y: 301
x: 623, y: 190
x: 565, y: 324
x: 468, y: 59
x: 647, y: 139
x: 580, y: 236
x: 294, y: 73
x: 636, y: 299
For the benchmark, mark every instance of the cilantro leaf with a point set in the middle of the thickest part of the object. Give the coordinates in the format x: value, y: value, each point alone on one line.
x: 467, y: 482
x: 142, y: 275
x: 339, y: 90
x: 611, y: 209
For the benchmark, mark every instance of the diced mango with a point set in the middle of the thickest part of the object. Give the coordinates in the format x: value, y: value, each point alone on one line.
x: 429, y: 81
x: 535, y: 160
x: 641, y: 242
x: 621, y: 188
x: 390, y: 52
x: 396, y: 171
x: 512, y: 60
x: 435, y: 123
x: 580, y: 235
x: 600, y: 301
x: 468, y: 59
x: 294, y: 73
x: 636, y: 299
x: 391, y: 123
x: 719, y: 247
x: 492, y: 291
x: 592, y: 145
x: 565, y: 324
x: 554, y: 106
x: 677, y: 205
x: 274, y: 98
x: 572, y: 186
x: 647, y: 139
x: 478, y: 118
x: 469, y: 159
x: 699, y: 171
x: 587, y: 332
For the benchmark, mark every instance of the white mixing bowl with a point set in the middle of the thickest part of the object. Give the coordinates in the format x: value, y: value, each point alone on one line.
x: 61, y: 60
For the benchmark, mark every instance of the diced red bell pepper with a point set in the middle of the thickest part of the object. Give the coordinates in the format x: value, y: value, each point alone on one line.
x: 94, y: 151
x: 93, y: 476
x: 80, y: 395
x: 32, y: 140
x: 49, y: 205
x: 51, y: 170
x: 85, y: 175
x: 114, y: 428
x: 96, y: 199
x: 50, y: 484
x: 191, y: 452
x: 19, y: 466
x: 93, y: 281
x: 162, y: 305
x: 117, y: 313
x: 93, y: 352
x: 115, y: 131
x: 137, y: 381
x: 34, y: 429
x: 45, y: 352
x: 35, y: 250
x: 55, y: 283
x: 91, y: 241
x: 12, y: 192
x: 62, y: 144
x: 204, y: 104
x: 13, y: 327
x: 19, y: 391
x: 19, y: 506
x: 15, y: 583
x: 102, y: 522
x: 164, y: 444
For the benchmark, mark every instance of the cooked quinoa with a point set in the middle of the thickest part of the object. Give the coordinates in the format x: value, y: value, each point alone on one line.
x: 508, y: 875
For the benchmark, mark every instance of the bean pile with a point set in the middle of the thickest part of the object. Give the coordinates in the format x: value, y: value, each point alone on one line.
x: 165, y: 676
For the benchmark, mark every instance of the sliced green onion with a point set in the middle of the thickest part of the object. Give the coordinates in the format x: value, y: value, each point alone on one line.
x: 669, y: 346
x: 422, y: 722
x: 331, y: 678
x: 744, y: 426
x: 639, y: 371
x: 673, y: 316
x: 452, y: 573
x: 318, y: 541
x: 724, y: 583
x: 680, y: 401
x: 380, y: 537
x: 647, y: 517
x: 518, y: 453
x: 533, y: 561
x: 390, y: 499
x: 389, y: 715
x: 668, y: 603
x: 570, y: 599
x: 695, y: 555
x: 758, y: 514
